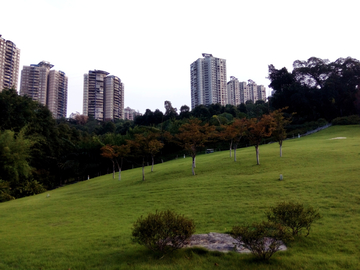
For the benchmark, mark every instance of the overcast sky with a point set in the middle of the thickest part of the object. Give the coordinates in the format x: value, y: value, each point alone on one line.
x: 150, y: 44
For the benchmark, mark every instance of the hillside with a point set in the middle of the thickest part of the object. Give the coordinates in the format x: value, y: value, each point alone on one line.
x: 87, y: 225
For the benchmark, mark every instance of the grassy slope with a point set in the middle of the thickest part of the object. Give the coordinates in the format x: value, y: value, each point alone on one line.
x: 88, y: 225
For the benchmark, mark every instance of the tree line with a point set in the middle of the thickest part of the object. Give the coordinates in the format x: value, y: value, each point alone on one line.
x: 38, y: 152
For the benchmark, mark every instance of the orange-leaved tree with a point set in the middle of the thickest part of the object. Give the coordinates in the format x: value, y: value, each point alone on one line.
x: 279, y: 133
x: 192, y: 136
x: 240, y: 126
x: 233, y: 133
x: 145, y: 144
x: 258, y: 129
x: 108, y: 151
x: 113, y: 152
x: 122, y: 152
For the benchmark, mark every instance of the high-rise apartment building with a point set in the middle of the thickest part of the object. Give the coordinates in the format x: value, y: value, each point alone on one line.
x: 34, y: 81
x: 57, y: 93
x: 9, y: 64
x: 48, y: 87
x: 113, y: 98
x: 252, y: 88
x: 233, y: 91
x: 244, y: 92
x: 261, y: 90
x: 208, y: 81
x: 103, y: 96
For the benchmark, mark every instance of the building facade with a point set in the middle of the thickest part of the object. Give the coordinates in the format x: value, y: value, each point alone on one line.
x: 130, y: 114
x: 240, y: 92
x: 9, y: 64
x: 233, y: 91
x: 48, y: 87
x: 57, y: 93
x: 113, y: 98
x: 34, y: 81
x: 103, y: 96
x: 208, y: 81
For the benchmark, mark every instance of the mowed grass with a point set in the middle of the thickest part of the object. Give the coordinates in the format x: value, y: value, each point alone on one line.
x: 88, y: 225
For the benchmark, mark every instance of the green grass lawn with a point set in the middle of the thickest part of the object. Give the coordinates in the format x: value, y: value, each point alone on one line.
x: 88, y: 225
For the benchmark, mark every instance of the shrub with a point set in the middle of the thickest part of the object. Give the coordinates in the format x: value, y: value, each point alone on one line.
x: 164, y: 231
x: 262, y: 239
x: 294, y: 216
x: 346, y: 120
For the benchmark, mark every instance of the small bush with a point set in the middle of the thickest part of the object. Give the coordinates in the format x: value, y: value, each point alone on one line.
x: 262, y: 239
x: 294, y: 216
x: 163, y: 231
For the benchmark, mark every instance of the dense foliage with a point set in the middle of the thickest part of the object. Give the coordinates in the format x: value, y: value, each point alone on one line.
x: 317, y: 88
x: 164, y: 231
x: 263, y: 239
x: 294, y: 216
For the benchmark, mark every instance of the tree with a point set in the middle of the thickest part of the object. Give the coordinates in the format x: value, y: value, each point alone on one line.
x: 122, y: 152
x: 233, y: 133
x: 15, y: 169
x: 258, y: 129
x: 170, y: 111
x: 145, y: 144
x: 192, y: 136
x: 279, y: 132
x: 109, y: 152
x: 185, y: 111
x: 240, y: 127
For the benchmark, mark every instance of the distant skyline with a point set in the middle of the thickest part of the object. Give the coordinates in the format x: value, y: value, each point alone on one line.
x: 150, y: 45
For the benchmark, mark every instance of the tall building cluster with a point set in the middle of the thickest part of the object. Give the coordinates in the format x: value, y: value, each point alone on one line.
x: 103, y: 93
x: 209, y: 86
x: 9, y: 64
x: 48, y: 87
x: 103, y: 96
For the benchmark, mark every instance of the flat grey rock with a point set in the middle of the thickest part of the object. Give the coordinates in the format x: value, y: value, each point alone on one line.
x: 218, y: 242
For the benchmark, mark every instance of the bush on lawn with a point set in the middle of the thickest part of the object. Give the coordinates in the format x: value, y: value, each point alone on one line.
x: 294, y: 216
x: 164, y: 231
x: 262, y: 239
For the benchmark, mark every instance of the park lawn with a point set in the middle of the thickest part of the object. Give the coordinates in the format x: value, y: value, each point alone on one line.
x: 87, y: 225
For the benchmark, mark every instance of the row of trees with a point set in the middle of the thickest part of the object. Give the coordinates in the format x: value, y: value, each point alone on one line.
x: 40, y: 153
x: 193, y: 136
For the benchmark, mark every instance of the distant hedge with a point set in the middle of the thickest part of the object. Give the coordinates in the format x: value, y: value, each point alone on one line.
x: 347, y: 120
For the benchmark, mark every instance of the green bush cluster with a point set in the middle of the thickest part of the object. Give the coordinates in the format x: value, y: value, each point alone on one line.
x: 262, y: 239
x: 294, y: 216
x: 285, y: 220
x: 346, y: 120
x: 164, y: 231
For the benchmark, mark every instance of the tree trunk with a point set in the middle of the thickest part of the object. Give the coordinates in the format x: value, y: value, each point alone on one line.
x: 143, y: 170
x: 257, y: 155
x: 113, y: 169
x: 230, y: 146
x: 193, y: 166
x: 119, y: 168
x: 280, y: 148
x: 152, y: 163
x: 235, y: 146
